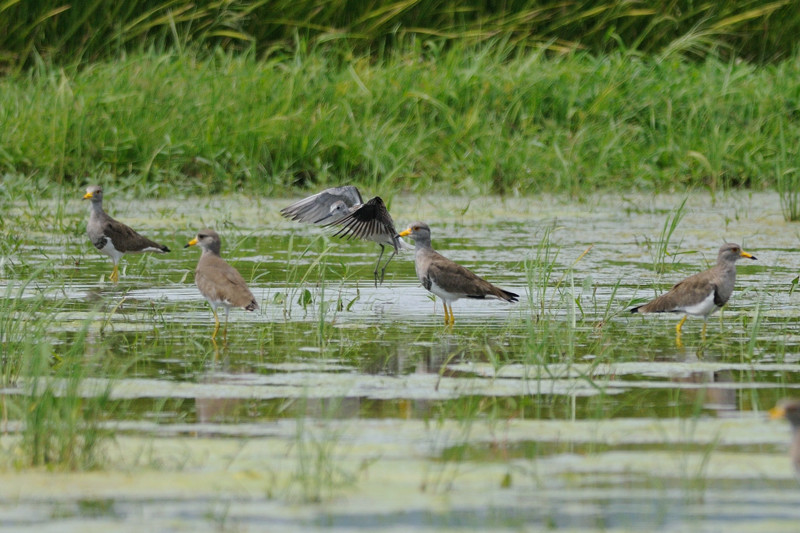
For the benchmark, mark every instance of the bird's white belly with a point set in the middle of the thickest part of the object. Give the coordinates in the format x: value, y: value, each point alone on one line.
x: 110, y: 251
x: 444, y: 294
x: 704, y: 308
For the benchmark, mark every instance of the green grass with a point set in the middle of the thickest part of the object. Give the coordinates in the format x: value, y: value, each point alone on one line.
x: 22, y: 322
x: 788, y: 179
x: 62, y: 427
x: 52, y: 31
x: 660, y: 248
x: 487, y: 119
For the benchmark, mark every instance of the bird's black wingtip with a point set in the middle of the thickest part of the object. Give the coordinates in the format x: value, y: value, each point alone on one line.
x: 635, y: 309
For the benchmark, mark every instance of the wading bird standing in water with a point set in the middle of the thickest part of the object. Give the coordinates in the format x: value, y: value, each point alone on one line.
x: 700, y: 294
x: 219, y: 282
x: 445, y: 278
x: 112, y: 237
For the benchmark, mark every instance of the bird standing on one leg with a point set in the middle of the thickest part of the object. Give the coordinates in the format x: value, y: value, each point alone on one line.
x: 700, y: 294
x: 112, y: 237
x: 445, y: 278
x: 219, y: 282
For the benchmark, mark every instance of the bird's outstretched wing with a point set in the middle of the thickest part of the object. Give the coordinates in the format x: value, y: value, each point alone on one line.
x: 324, y: 207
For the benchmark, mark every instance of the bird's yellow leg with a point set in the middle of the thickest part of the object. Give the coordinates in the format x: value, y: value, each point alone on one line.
x: 448, y: 315
x: 216, y: 350
x: 452, y: 316
x: 678, y: 341
x: 216, y: 325
x: 225, y: 331
x: 114, y: 274
x: 703, y: 334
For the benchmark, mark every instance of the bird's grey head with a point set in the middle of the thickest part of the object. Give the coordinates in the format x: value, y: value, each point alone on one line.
x: 208, y: 240
x: 338, y: 208
x: 731, y: 252
x: 94, y: 193
x: 336, y: 211
x: 419, y: 231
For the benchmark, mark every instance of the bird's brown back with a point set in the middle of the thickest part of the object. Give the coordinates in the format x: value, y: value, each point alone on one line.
x: 456, y: 278
x: 219, y: 281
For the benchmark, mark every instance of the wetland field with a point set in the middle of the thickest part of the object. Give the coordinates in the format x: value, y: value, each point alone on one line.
x: 344, y: 406
x: 585, y: 156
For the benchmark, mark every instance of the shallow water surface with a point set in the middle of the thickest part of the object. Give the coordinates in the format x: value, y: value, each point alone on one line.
x: 344, y: 405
